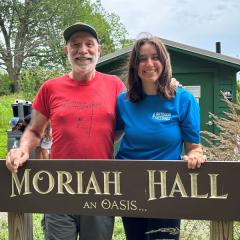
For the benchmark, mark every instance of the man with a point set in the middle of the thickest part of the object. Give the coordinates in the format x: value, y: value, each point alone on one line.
x: 81, y: 108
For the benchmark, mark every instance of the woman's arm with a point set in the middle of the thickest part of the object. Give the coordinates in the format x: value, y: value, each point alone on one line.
x: 194, y: 155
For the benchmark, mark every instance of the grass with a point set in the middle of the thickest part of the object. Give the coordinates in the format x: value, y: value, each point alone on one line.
x: 37, y: 229
x: 118, y: 233
x: 3, y: 230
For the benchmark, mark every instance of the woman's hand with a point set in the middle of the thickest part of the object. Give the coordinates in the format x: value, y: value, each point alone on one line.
x: 194, y: 155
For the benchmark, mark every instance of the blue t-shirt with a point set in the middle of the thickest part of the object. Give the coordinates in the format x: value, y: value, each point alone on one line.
x: 155, y: 128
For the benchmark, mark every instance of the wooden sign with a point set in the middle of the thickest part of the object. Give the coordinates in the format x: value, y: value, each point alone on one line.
x: 156, y: 189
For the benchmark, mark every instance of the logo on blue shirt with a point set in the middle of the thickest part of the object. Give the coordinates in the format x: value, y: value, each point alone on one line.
x: 162, y: 116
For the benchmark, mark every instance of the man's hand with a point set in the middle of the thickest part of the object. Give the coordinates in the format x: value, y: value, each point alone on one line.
x: 175, y: 83
x: 15, y: 159
x: 29, y: 140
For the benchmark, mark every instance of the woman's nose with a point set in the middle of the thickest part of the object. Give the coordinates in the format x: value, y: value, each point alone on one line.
x: 149, y: 61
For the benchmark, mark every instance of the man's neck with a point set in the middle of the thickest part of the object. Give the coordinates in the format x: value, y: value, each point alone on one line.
x: 82, y: 77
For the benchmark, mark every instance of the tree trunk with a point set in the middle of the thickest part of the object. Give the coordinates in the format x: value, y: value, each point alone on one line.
x: 14, y: 76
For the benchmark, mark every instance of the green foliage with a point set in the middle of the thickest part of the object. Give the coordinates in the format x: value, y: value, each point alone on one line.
x: 33, y: 78
x: 3, y: 230
x: 31, y: 32
x: 238, y: 91
x: 111, y: 31
x: 3, y: 144
x: 236, y: 230
x: 37, y: 227
x: 6, y: 84
x: 118, y: 233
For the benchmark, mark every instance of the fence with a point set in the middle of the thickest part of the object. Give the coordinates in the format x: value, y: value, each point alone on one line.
x: 122, y: 188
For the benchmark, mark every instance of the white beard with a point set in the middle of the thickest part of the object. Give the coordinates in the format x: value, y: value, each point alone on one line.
x: 84, y: 68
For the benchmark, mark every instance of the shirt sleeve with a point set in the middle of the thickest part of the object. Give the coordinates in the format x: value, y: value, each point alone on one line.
x: 41, y: 101
x: 119, y: 120
x: 190, y: 118
x: 121, y: 86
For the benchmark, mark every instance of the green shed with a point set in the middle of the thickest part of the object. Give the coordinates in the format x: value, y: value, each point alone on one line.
x: 202, y: 72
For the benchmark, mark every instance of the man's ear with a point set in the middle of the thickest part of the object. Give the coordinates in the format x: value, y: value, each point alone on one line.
x: 99, y: 50
x: 65, y: 50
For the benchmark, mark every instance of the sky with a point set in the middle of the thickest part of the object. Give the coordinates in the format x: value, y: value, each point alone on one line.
x: 193, y: 22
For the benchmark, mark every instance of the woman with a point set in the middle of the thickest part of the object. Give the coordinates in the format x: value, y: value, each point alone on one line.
x: 157, y: 120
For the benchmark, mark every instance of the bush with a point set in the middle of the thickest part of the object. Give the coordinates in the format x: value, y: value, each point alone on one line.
x: 3, y: 230
x: 238, y: 91
x: 32, y: 79
x: 6, y: 84
x: 225, y: 144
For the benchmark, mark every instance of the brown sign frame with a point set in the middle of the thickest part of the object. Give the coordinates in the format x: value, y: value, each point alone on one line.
x: 151, y: 189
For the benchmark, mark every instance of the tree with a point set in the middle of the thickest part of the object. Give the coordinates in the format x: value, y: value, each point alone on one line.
x: 31, y: 32
x: 5, y: 83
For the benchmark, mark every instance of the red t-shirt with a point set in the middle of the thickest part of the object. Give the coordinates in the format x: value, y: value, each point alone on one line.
x: 82, y: 115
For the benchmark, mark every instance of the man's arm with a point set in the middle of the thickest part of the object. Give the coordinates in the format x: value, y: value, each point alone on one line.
x: 175, y: 83
x: 29, y: 140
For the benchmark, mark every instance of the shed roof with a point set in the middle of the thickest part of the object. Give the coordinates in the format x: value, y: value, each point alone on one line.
x: 178, y: 47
